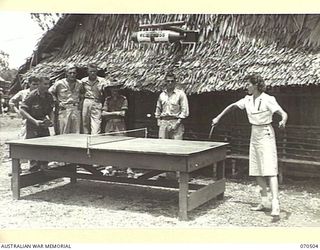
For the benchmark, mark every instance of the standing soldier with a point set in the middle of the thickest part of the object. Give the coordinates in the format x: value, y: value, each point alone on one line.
x: 19, y: 97
x: 172, y: 108
x: 114, y: 111
x: 92, y: 90
x: 67, y: 93
x: 37, y: 110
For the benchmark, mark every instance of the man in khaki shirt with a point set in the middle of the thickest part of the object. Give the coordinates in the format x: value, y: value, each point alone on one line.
x: 67, y: 93
x: 92, y: 90
x: 172, y: 108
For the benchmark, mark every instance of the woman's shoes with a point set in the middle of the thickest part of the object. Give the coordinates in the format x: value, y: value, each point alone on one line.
x: 260, y: 207
x: 275, y: 208
x: 264, y: 205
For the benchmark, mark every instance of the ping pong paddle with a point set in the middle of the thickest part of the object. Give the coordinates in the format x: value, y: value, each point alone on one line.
x: 211, y: 131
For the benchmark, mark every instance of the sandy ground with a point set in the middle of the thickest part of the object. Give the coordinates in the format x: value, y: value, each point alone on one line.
x: 89, y: 204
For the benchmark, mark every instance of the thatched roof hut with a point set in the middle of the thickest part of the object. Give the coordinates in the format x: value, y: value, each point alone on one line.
x: 283, y: 48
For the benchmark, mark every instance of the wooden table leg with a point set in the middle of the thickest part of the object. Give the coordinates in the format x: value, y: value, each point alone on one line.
x: 15, y: 179
x: 220, y: 175
x: 73, y: 178
x: 214, y: 170
x: 183, y: 195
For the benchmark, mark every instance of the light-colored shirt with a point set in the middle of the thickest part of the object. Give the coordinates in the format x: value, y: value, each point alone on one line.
x: 174, y: 105
x: 64, y: 93
x: 93, y: 90
x: 261, y: 110
x: 19, y: 97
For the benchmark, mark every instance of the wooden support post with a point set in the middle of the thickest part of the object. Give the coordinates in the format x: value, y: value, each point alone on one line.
x: 284, y: 155
x: 214, y: 170
x: 280, y: 170
x: 233, y: 167
x: 15, y: 179
x: 73, y: 178
x: 221, y: 175
x: 183, y: 195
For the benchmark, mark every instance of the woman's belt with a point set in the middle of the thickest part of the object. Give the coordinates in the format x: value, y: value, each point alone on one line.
x: 261, y: 124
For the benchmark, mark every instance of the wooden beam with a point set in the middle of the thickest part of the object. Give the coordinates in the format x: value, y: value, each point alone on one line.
x: 206, y: 193
x: 34, y: 178
x: 121, y: 180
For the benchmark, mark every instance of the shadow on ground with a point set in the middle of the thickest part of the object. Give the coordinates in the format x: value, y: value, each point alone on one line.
x: 139, y: 199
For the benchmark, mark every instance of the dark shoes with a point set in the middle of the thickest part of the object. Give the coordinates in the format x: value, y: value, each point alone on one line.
x: 34, y: 168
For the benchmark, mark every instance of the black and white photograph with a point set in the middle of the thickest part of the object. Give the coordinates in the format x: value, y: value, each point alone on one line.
x: 153, y: 121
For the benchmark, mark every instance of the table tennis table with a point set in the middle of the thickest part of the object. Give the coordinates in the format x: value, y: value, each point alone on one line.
x: 152, y: 155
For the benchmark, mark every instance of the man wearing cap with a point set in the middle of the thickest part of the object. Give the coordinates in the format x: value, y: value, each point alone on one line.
x: 19, y: 97
x: 171, y: 109
x: 92, y: 91
x: 67, y: 93
x: 114, y: 111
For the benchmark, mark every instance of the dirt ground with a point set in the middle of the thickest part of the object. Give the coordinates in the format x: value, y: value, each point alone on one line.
x: 88, y: 204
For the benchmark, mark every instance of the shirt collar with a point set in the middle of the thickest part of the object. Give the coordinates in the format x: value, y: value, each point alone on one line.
x: 259, y: 97
x: 174, y: 91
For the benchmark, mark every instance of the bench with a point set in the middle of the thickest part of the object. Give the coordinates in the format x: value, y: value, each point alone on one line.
x: 296, y: 146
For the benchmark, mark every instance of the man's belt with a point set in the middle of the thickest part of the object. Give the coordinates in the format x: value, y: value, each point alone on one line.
x: 93, y: 99
x: 169, y: 118
x: 68, y: 105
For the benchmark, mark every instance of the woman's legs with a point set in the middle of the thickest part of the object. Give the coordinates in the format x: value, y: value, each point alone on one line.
x: 263, y: 185
x: 275, y: 194
x: 264, y: 195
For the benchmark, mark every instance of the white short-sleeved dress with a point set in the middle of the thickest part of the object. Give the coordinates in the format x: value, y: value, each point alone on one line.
x: 263, y: 159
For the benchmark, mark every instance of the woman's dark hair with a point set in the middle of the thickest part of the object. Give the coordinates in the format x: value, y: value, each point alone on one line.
x: 256, y: 79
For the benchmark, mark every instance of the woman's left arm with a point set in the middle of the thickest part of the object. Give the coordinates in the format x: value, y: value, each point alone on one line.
x: 284, y: 115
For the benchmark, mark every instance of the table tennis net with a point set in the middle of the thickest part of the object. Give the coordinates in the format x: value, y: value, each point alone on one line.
x: 110, y: 137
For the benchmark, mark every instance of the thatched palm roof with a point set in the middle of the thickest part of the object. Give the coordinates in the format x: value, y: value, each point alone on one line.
x: 283, y: 48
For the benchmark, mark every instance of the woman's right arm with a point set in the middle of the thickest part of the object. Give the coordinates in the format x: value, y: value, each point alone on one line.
x: 229, y: 108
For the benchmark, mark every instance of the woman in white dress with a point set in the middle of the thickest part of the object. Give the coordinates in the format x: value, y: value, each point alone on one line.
x: 263, y: 161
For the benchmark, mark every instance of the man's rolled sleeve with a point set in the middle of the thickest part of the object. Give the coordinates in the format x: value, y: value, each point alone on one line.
x: 184, y: 106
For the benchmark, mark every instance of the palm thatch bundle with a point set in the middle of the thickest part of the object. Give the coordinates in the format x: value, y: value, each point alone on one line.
x: 282, y: 48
